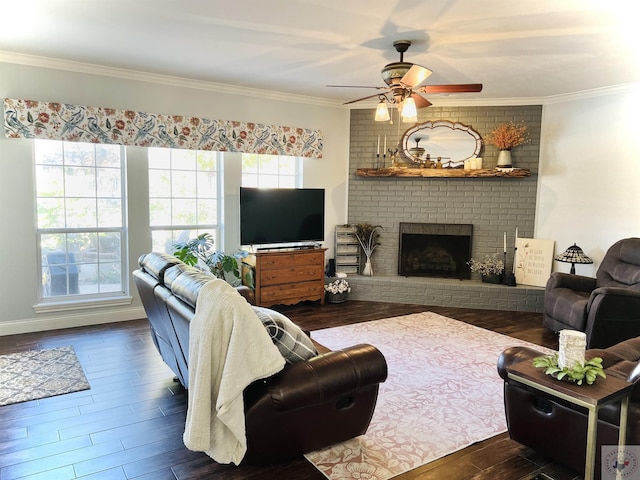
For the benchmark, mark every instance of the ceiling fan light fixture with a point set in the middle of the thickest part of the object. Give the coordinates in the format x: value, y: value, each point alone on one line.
x: 409, y: 111
x: 382, y: 112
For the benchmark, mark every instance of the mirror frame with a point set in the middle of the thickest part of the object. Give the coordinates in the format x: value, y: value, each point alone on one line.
x: 405, y: 147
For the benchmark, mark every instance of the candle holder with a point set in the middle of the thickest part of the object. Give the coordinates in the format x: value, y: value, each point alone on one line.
x: 393, y: 154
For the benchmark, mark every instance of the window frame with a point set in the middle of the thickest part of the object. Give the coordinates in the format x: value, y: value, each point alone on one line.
x: 46, y: 303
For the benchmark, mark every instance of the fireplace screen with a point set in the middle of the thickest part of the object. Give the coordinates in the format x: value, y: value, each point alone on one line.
x: 435, y: 250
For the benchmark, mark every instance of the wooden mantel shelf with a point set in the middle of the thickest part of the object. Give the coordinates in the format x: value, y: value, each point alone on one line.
x: 442, y: 172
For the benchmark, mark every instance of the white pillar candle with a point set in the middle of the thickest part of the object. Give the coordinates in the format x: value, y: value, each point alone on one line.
x: 504, y: 243
x: 572, y: 347
x: 385, y: 144
x: 516, y: 241
x: 378, y: 151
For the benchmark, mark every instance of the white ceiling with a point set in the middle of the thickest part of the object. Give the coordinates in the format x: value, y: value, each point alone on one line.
x: 516, y: 49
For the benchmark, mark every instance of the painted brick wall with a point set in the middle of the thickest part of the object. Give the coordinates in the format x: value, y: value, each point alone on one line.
x: 491, y: 205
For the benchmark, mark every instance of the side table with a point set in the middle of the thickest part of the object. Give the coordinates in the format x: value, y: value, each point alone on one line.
x: 592, y: 397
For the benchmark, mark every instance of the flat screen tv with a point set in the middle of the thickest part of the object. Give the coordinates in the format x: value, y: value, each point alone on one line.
x: 281, y: 215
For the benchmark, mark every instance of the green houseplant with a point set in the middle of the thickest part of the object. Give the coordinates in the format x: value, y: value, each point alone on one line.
x: 200, y: 250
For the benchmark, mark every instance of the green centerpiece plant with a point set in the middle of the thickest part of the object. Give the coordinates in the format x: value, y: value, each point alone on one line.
x: 587, y: 372
x: 199, y: 251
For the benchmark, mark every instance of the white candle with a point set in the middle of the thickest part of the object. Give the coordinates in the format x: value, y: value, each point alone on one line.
x: 504, y: 243
x: 516, y: 240
x: 378, y: 151
x: 385, y: 144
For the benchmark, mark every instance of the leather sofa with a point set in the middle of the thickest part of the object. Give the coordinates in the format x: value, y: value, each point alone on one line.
x: 557, y: 429
x: 308, y: 405
x: 607, y: 307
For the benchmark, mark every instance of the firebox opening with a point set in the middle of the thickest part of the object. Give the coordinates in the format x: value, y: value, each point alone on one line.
x: 435, y: 250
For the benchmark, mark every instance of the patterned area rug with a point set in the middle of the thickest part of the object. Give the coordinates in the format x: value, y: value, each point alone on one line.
x: 443, y: 393
x: 39, y: 374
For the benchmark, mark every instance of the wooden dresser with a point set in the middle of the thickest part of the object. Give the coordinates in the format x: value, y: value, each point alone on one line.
x: 287, y: 277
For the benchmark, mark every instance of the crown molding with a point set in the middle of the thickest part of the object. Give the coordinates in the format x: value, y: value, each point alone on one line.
x: 121, y: 73
x: 136, y: 75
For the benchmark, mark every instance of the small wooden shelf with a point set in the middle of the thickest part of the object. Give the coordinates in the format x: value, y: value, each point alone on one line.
x: 442, y: 172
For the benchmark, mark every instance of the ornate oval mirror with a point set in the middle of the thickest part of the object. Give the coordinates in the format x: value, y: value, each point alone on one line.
x: 453, y: 142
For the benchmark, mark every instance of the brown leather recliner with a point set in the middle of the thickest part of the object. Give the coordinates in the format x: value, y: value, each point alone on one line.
x: 308, y: 405
x: 606, y: 308
x: 558, y: 429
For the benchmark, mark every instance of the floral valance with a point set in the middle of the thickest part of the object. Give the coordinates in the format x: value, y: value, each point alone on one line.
x: 78, y: 123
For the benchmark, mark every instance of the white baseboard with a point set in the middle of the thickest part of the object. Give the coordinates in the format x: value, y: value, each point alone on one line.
x: 98, y: 317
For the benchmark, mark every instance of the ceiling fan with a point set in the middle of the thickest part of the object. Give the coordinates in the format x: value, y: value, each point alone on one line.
x: 403, y: 80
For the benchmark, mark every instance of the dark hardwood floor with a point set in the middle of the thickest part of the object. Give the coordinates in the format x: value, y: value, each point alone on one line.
x: 129, y: 425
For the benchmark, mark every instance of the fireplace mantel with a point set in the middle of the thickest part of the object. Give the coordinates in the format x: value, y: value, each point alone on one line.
x: 442, y: 172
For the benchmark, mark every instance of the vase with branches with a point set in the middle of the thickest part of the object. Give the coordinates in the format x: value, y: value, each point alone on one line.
x: 505, y: 137
x: 367, y: 235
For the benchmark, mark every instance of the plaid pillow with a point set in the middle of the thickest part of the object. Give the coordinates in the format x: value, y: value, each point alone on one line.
x: 293, y: 343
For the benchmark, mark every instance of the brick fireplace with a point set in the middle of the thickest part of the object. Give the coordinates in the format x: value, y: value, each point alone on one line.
x: 492, y: 205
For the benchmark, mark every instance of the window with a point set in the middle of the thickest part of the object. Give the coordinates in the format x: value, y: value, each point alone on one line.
x: 80, y: 218
x: 271, y: 171
x: 185, y: 196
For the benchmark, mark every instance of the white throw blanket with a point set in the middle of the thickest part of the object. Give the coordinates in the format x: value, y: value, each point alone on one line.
x: 228, y: 349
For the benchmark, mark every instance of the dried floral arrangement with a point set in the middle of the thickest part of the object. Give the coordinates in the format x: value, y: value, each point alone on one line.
x: 367, y: 236
x: 338, y: 286
x: 489, y: 265
x: 508, y: 135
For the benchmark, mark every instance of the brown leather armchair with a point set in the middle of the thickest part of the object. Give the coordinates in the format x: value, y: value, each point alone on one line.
x: 606, y: 308
x: 558, y: 429
x: 308, y: 405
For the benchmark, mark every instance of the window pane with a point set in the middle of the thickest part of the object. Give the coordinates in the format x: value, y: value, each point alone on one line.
x: 108, y: 156
x: 109, y: 182
x: 207, y: 184
x: 109, y: 212
x: 183, y: 159
x: 159, y: 183
x: 81, y: 212
x: 49, y: 181
x: 184, y: 212
x: 50, y: 213
x: 160, y: 212
x: 159, y: 157
x: 79, y: 182
x: 207, y: 212
x: 79, y: 154
x: 183, y: 184
x: 49, y: 152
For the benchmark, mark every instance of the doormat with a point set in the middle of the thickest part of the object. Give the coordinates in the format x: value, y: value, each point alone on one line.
x: 40, y: 374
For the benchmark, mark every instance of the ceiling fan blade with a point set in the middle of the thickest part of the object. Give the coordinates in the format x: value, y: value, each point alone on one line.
x: 421, y: 102
x: 355, y: 86
x: 360, y: 99
x: 415, y: 76
x: 459, y: 88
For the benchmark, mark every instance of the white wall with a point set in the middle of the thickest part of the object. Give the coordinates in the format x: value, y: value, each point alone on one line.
x: 17, y: 239
x: 589, y: 186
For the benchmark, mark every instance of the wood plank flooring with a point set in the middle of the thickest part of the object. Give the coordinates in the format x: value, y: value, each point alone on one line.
x: 129, y: 425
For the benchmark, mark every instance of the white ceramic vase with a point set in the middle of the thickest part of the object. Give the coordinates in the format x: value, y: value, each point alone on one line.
x: 367, y: 271
x: 504, y: 159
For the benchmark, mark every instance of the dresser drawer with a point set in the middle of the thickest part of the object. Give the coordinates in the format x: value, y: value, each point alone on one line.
x: 292, y: 259
x: 276, y: 276
x: 291, y: 293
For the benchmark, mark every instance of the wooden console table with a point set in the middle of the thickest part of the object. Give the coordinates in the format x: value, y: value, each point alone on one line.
x: 591, y: 397
x: 286, y: 277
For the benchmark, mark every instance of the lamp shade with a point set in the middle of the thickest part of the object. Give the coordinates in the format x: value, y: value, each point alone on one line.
x: 409, y: 111
x: 573, y: 255
x: 382, y: 112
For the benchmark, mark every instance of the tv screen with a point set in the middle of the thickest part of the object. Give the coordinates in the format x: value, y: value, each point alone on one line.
x: 281, y: 215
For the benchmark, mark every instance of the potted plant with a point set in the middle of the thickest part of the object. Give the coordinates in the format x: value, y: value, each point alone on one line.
x: 490, y: 267
x: 337, y: 290
x: 367, y: 236
x: 505, y: 137
x: 200, y: 250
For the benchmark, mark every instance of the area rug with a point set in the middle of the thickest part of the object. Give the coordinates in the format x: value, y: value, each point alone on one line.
x: 443, y: 393
x: 39, y: 374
